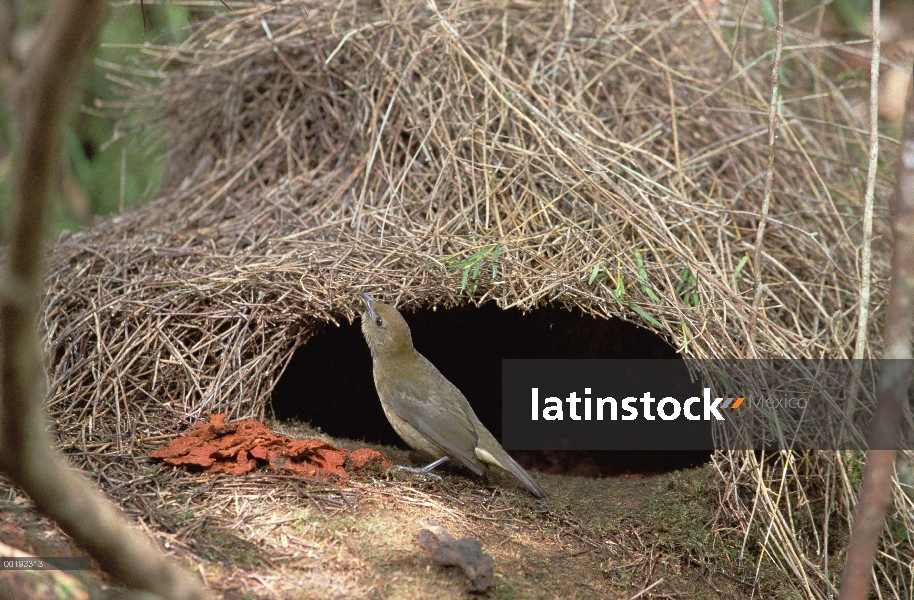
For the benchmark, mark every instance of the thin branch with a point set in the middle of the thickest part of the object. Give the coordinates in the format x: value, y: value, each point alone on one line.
x: 865, y: 277
x: 773, y: 105
x: 867, y: 250
x: 66, y: 38
x: 875, y: 495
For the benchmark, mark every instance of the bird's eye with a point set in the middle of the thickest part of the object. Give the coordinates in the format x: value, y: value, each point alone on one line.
x: 378, y: 322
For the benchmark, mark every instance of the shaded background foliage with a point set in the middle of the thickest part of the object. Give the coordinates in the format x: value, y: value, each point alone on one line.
x: 107, y: 169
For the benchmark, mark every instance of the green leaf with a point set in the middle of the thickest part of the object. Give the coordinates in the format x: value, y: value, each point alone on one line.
x: 593, y: 275
x: 620, y: 287
x: 644, y: 315
x: 476, y: 269
x: 728, y: 385
x: 777, y: 427
x: 682, y: 280
x: 687, y: 282
x: 469, y: 262
x: 466, y: 275
x: 476, y: 256
x: 642, y: 273
x: 495, y: 261
x: 739, y: 267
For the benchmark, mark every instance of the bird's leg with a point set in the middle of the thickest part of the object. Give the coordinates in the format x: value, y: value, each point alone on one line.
x: 427, y: 469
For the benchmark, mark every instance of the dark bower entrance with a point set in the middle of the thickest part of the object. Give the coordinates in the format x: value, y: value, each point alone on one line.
x: 329, y: 379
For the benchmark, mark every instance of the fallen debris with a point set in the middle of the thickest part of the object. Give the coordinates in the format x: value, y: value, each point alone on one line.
x: 241, y: 446
x: 465, y: 553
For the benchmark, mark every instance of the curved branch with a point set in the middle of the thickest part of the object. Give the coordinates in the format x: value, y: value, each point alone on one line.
x: 67, y: 35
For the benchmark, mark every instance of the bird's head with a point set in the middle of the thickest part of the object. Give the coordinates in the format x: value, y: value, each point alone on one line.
x: 385, y: 329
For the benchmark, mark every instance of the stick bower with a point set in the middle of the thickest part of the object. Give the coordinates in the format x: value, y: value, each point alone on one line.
x: 604, y: 156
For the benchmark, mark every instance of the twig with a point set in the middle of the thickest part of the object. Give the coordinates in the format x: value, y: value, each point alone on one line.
x: 867, y: 250
x: 867, y: 257
x: 769, y: 175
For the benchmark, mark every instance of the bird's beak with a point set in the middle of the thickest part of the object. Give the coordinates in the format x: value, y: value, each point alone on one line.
x: 369, y: 305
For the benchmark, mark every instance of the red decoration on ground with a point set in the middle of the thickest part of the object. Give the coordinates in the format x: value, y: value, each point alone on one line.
x: 238, y: 448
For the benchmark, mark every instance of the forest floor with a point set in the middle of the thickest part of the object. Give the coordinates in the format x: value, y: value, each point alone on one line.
x: 270, y: 536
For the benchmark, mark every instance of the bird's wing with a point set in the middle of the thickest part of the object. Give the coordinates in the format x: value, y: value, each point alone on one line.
x: 436, y: 409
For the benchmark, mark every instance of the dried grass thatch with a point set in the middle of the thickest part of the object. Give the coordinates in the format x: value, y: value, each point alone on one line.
x: 604, y: 155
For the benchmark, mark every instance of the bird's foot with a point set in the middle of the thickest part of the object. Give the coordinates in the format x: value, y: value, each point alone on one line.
x: 427, y: 469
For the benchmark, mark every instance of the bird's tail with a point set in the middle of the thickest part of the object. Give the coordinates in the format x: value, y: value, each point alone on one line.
x: 490, y: 451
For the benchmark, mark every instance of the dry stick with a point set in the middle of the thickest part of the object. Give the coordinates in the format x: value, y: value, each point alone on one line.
x: 769, y: 175
x: 870, y: 186
x: 876, y: 491
x: 357, y: 212
x: 67, y: 35
x: 865, y: 277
